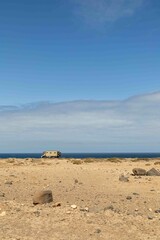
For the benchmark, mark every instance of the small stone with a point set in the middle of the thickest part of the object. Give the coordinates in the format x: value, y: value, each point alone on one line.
x: 123, y: 178
x: 89, y: 221
x: 150, y: 209
x: 110, y: 207
x: 37, y: 213
x: 128, y: 197
x: 73, y: 206
x: 43, y: 197
x: 68, y: 212
x: 98, y: 230
x: 2, y: 214
x: 58, y: 204
x: 157, y: 211
x: 18, y: 209
x: 76, y: 181
x: 86, y: 209
x: 8, y: 182
x: 2, y: 194
x: 134, y: 193
x: 150, y: 217
x: 136, y: 209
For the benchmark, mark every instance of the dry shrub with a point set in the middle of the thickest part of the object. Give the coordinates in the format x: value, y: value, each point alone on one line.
x: 36, y: 160
x: 147, y: 164
x: 44, y: 163
x: 113, y: 160
x: 140, y: 159
x: 18, y: 163
x: 10, y: 160
x: 157, y: 163
x: 89, y: 160
x: 77, y: 161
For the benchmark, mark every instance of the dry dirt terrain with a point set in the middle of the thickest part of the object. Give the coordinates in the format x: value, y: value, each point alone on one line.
x: 89, y: 200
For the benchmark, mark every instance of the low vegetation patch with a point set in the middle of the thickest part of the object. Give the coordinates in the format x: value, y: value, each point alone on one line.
x: 157, y: 163
x: 76, y: 161
x: 10, y: 160
x: 89, y: 160
x: 114, y: 160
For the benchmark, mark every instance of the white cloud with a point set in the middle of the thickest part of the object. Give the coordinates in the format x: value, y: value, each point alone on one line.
x: 129, y: 125
x: 102, y: 11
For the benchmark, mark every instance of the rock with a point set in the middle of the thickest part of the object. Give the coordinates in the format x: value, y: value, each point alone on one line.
x: 153, y: 172
x: 123, y: 178
x: 139, y: 171
x: 43, y: 197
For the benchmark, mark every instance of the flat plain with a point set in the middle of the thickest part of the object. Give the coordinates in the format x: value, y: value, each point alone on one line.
x: 89, y: 200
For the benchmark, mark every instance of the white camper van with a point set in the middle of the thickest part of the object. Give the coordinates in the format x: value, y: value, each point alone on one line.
x: 51, y: 154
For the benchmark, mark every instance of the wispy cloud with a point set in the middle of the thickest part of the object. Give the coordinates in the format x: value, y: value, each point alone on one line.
x: 132, y: 124
x: 97, y: 12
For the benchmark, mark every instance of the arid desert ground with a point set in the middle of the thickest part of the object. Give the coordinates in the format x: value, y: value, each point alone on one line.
x: 89, y: 200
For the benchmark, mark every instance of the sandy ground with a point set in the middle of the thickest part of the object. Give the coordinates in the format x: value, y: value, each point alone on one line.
x: 107, y: 209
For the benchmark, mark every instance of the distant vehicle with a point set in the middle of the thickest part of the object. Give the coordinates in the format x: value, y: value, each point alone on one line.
x: 51, y: 154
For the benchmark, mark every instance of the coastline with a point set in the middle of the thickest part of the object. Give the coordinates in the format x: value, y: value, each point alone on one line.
x: 106, y: 208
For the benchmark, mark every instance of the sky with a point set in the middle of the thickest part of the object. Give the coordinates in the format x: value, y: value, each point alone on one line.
x: 80, y: 75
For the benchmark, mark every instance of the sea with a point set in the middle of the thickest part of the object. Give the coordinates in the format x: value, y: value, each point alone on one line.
x: 84, y: 155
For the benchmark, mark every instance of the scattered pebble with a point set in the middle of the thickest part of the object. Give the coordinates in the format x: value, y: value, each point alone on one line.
x: 8, y: 182
x: 123, y: 178
x: 128, y: 197
x: 2, y: 214
x: 86, y: 209
x: 150, y: 217
x: 58, y: 204
x: 68, y: 212
x: 37, y: 213
x: 73, y: 206
x: 157, y: 211
x: 98, y: 230
x: 2, y: 194
x: 76, y: 181
x: 110, y: 207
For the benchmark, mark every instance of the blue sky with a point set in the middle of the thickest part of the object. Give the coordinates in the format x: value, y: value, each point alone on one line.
x: 73, y: 53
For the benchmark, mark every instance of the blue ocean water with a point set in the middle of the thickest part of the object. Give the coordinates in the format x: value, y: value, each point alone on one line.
x: 83, y: 155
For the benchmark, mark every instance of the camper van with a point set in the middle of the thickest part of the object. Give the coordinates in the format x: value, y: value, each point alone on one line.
x: 51, y: 154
